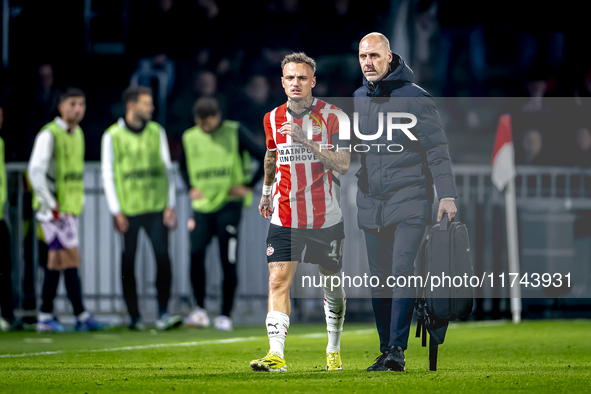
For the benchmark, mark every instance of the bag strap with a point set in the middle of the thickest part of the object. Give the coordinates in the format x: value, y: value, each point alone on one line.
x: 423, y: 259
x: 433, y: 349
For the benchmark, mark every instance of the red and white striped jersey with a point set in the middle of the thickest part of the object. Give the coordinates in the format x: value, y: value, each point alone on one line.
x: 306, y: 195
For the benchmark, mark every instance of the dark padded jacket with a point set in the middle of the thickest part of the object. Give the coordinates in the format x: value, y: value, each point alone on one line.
x: 393, y: 187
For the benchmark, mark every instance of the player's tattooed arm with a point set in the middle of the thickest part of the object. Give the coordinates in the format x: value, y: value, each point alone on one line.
x: 337, y: 161
x: 265, y: 207
x: 269, y: 164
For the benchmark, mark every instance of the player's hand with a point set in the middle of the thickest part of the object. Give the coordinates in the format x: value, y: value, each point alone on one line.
x: 239, y: 191
x: 265, y: 208
x: 195, y: 194
x: 447, y: 206
x: 170, y: 219
x: 191, y: 224
x: 121, y: 223
x: 294, y: 130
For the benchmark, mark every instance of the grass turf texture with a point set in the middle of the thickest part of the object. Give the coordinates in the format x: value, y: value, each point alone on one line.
x: 536, y: 356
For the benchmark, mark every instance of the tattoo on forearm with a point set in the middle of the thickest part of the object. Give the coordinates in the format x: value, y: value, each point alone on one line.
x: 277, y: 265
x: 269, y: 166
x: 338, y: 161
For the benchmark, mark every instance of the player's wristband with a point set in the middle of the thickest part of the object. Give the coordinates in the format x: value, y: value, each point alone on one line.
x: 267, y: 190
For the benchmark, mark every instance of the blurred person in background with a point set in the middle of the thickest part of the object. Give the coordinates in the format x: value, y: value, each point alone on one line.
x: 157, y: 72
x: 340, y: 40
x: 583, y: 147
x: 46, y: 96
x: 531, y: 145
x: 540, y: 32
x: 204, y: 83
x: 216, y: 168
x: 459, y: 33
x: 575, y: 149
x: 253, y: 100
x: 583, y: 90
x: 6, y: 301
x: 279, y: 22
x: 56, y: 170
x: 139, y: 188
x: 29, y: 107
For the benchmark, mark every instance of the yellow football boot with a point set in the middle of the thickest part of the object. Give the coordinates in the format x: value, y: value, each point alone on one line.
x: 270, y: 363
x: 333, y: 361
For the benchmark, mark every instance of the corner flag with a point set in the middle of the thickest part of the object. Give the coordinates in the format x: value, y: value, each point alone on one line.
x: 503, y: 160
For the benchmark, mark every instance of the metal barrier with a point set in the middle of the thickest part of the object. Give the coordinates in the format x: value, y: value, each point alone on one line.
x: 540, y: 190
x: 100, y: 251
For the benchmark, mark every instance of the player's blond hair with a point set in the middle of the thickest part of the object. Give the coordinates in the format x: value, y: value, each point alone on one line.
x: 299, y: 57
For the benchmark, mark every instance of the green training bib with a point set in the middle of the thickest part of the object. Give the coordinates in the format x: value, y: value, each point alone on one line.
x: 141, y: 180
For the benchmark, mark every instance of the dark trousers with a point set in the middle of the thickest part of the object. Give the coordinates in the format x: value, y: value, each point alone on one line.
x: 6, y: 300
x: 158, y: 234
x: 391, y: 251
x: 224, y: 224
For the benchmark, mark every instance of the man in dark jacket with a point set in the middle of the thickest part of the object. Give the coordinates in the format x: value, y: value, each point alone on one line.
x: 395, y: 184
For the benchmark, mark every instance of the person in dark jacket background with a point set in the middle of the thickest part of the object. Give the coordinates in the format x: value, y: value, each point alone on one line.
x: 216, y: 167
x: 395, y: 186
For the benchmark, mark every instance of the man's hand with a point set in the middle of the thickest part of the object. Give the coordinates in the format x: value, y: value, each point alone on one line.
x: 265, y: 208
x: 447, y: 206
x: 195, y: 194
x: 191, y: 224
x: 170, y: 220
x: 239, y: 191
x: 121, y: 223
x: 294, y: 130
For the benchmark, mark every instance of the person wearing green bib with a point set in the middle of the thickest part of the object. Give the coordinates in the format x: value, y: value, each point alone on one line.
x: 216, y: 166
x: 56, y: 170
x: 139, y: 187
x: 6, y: 300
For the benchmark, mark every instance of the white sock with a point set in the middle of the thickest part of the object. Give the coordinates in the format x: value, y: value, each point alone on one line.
x: 335, y: 305
x: 83, y: 316
x: 43, y: 317
x: 277, y: 324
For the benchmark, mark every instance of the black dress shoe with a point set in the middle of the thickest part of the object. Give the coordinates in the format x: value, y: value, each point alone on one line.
x: 378, y: 364
x: 395, y: 359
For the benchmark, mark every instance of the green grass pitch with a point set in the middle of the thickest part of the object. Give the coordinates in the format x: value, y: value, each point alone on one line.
x: 534, y: 356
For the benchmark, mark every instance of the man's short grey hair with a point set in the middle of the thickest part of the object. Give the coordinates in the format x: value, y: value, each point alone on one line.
x: 298, y: 58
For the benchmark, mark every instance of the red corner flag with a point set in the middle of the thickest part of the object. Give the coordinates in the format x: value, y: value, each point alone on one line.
x: 503, y: 160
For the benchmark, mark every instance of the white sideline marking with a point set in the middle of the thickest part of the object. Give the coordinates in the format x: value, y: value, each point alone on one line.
x: 140, y: 347
x: 30, y: 354
x: 345, y: 333
x: 479, y: 324
x: 313, y: 336
x: 178, y: 344
x: 37, y: 340
x: 361, y: 332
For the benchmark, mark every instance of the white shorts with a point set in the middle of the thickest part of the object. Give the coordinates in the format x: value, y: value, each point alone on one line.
x: 61, y: 233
